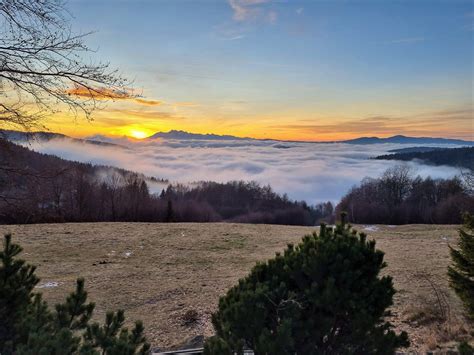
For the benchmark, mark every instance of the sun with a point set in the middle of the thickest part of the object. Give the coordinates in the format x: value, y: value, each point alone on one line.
x: 135, y: 133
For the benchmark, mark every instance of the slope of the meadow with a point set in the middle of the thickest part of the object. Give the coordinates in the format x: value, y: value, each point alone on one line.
x: 158, y: 272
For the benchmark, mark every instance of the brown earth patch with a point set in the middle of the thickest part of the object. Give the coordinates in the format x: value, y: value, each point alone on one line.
x: 171, y: 275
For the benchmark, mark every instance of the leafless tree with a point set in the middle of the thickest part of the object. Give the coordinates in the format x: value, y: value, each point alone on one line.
x: 468, y: 178
x: 42, y: 66
x: 115, y: 182
x: 396, y: 182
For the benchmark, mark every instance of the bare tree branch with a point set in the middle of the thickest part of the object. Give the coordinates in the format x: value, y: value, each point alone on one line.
x: 41, y: 60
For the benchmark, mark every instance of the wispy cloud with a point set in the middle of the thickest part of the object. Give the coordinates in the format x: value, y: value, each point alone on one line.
x: 408, y: 40
x: 470, y: 17
x: 252, y: 10
x: 272, y: 17
x: 247, y: 16
x: 99, y: 93
x: 148, y: 102
x: 185, y: 104
x: 130, y: 116
x: 108, y: 94
x: 234, y: 38
x: 246, y: 9
x: 429, y: 123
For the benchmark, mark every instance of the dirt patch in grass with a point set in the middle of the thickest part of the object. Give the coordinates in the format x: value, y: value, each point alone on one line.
x: 171, y: 275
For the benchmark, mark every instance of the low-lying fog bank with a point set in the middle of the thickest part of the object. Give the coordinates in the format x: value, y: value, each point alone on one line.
x: 313, y: 172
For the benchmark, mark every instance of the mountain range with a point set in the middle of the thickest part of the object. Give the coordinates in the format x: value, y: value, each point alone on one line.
x: 183, y: 135
x: 41, y: 136
x: 399, y: 139
x: 176, y: 134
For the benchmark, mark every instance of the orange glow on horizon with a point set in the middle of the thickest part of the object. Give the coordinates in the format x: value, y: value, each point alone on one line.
x: 139, y: 132
x: 143, y: 122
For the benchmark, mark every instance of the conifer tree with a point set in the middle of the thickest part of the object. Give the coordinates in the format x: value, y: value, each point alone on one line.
x: 461, y: 272
x: 29, y: 327
x: 17, y: 281
x: 324, y: 296
x: 169, y: 212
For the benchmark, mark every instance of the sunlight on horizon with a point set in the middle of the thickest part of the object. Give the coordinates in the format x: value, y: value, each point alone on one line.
x: 135, y: 133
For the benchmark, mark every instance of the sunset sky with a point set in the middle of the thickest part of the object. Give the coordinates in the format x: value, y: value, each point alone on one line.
x: 299, y: 70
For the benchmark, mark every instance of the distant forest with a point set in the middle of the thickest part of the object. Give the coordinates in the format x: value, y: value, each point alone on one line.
x: 458, y: 157
x: 398, y: 197
x: 40, y: 188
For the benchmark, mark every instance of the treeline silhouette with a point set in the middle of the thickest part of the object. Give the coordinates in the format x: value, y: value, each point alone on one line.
x: 458, y: 157
x: 40, y: 188
x: 243, y: 202
x: 398, y: 197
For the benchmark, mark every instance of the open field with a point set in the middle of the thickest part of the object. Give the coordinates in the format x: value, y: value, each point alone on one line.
x: 158, y: 272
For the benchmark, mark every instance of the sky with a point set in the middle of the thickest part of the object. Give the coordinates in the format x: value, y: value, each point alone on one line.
x: 283, y: 69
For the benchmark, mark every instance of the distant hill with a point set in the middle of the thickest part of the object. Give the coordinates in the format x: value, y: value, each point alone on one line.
x: 458, y: 157
x: 415, y: 149
x: 399, y: 139
x: 41, y: 136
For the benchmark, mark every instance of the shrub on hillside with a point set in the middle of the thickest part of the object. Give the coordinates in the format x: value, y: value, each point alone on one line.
x: 28, y: 326
x: 324, y: 296
x: 461, y: 273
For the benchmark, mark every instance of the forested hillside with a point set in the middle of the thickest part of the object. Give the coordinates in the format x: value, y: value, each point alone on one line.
x: 459, y: 157
x: 399, y: 197
x: 37, y: 188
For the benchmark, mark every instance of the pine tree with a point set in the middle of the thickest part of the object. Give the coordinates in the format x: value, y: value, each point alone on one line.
x: 17, y: 281
x: 465, y: 349
x: 169, y: 212
x: 113, y: 338
x: 29, y: 327
x: 324, y: 296
x: 461, y: 273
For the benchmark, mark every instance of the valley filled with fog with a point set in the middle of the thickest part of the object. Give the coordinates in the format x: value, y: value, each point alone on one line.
x: 313, y: 172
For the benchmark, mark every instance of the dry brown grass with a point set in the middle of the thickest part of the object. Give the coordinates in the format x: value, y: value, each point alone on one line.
x: 175, y: 273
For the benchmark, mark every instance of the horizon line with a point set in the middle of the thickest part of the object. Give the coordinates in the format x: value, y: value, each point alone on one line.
x: 240, y: 137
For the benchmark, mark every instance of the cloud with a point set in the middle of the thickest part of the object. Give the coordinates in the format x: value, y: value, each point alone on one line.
x: 408, y: 40
x: 148, y: 102
x: 234, y: 38
x: 185, y: 104
x: 110, y: 94
x: 247, y: 17
x: 470, y: 18
x: 311, y: 171
x: 245, y: 9
x: 299, y: 10
x: 429, y: 123
x: 272, y: 17
x: 130, y: 115
x: 99, y: 93
x: 252, y: 10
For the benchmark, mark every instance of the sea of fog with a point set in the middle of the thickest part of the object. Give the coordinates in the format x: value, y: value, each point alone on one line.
x: 305, y: 171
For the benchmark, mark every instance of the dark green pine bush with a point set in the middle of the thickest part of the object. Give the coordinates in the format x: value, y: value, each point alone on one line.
x: 324, y: 296
x: 461, y: 273
x: 29, y: 327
